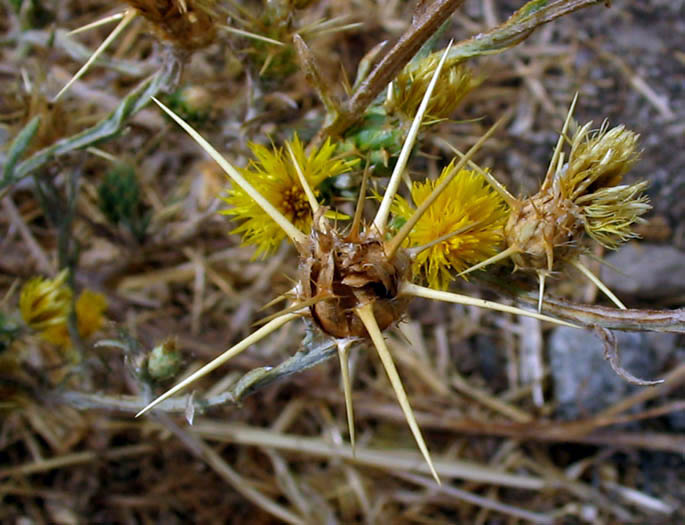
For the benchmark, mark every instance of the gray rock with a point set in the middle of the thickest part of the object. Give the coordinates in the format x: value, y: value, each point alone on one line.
x: 652, y: 271
x: 585, y: 383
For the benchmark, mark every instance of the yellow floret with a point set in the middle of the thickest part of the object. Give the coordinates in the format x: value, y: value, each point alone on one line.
x: 273, y: 175
x: 468, y: 200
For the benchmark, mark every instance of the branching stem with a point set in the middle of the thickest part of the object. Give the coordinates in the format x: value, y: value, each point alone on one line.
x: 228, y: 354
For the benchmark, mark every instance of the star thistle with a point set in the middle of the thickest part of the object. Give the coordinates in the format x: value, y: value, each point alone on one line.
x: 274, y: 175
x: 469, y: 207
x: 353, y: 283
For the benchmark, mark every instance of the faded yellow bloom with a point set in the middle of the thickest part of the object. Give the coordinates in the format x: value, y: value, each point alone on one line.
x: 90, y: 309
x: 273, y: 174
x: 468, y: 203
x: 596, y: 166
x: 45, y: 302
x: 611, y: 213
x: 583, y: 194
x: 598, y: 159
x: 453, y: 84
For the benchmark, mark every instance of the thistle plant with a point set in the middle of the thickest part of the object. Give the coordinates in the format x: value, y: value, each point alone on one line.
x: 356, y: 273
x: 355, y: 283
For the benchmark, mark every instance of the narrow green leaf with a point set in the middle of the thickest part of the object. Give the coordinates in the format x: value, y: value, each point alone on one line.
x: 19, y: 145
x: 104, y: 130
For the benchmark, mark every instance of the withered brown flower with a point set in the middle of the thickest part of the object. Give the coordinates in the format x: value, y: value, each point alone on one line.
x: 186, y: 24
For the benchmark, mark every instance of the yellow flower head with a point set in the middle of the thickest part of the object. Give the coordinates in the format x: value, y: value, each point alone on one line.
x: 467, y: 200
x: 90, y: 309
x: 45, y: 302
x: 273, y: 175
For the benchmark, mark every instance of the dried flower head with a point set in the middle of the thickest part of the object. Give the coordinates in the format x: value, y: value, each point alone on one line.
x: 468, y: 206
x: 186, y: 24
x: 346, y: 271
x: 45, y: 302
x: 274, y: 175
x: 581, y: 195
x: 596, y: 166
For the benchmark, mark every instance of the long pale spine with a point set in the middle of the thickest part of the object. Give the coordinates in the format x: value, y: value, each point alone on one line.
x: 217, y: 362
x: 291, y: 231
x: 384, y: 209
x: 367, y: 317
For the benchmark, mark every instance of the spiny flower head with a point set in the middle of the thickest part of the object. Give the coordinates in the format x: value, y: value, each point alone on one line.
x: 453, y: 84
x: 273, y: 174
x: 45, y: 302
x: 90, y: 309
x: 580, y: 195
x: 467, y: 201
x: 354, y: 283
